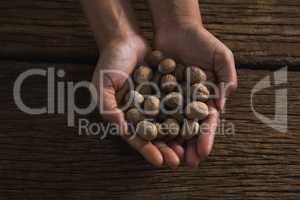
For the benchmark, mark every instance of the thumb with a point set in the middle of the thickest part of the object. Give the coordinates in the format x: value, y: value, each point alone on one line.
x: 108, y: 106
x: 224, y: 67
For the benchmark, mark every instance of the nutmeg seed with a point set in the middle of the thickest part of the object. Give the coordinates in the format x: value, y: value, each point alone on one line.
x: 134, y: 116
x: 195, y: 75
x: 152, y: 106
x: 142, y: 74
x: 173, y: 100
x: 144, y: 89
x: 146, y: 130
x: 196, y: 110
x: 134, y: 98
x: 190, y: 128
x: 171, y: 127
x: 168, y: 83
x: 199, y: 92
x: 167, y: 66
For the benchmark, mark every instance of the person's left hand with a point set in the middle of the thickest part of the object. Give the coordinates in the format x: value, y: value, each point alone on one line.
x: 194, y: 45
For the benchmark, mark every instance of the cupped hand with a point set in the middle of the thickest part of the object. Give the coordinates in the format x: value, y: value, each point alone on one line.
x: 193, y: 44
x: 117, y: 61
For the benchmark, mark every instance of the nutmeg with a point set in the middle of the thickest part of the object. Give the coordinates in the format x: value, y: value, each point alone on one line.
x: 134, y: 98
x: 167, y: 66
x: 168, y: 83
x: 171, y: 127
x: 199, y: 92
x: 173, y: 100
x: 134, y: 116
x: 144, y: 89
x: 146, y: 130
x: 142, y: 74
x: 190, y: 128
x: 195, y: 75
x: 152, y: 106
x: 196, y: 110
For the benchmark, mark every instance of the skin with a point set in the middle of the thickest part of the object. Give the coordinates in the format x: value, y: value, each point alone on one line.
x: 122, y: 48
x: 181, y: 35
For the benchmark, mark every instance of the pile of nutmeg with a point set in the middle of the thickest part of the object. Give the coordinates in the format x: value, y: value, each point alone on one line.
x: 168, y: 99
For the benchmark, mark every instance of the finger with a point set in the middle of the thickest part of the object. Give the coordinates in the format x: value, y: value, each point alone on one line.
x: 225, y: 73
x: 208, y: 129
x: 122, y: 92
x: 192, y: 158
x: 108, y: 109
x: 149, y: 151
x: 177, y: 148
x: 169, y: 156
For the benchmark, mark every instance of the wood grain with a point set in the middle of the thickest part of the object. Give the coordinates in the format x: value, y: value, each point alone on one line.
x: 41, y: 158
x: 264, y: 32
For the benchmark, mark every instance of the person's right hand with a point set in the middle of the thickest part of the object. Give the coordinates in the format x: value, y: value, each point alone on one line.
x: 123, y: 55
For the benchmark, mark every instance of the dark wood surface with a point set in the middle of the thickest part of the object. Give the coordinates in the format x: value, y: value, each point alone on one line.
x: 41, y: 158
x: 264, y: 32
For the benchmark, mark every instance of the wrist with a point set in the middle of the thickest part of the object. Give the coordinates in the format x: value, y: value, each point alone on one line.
x: 116, y: 37
x: 172, y: 14
x: 179, y: 25
x: 175, y: 31
x: 132, y: 44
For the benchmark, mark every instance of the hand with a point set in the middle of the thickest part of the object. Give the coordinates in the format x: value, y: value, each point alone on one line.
x: 193, y: 44
x: 123, y: 56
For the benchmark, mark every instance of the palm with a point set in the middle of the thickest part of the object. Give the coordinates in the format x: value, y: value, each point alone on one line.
x: 116, y: 64
x: 195, y: 45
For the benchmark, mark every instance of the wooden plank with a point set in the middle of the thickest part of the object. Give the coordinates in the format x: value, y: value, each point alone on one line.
x: 259, y: 32
x: 41, y: 158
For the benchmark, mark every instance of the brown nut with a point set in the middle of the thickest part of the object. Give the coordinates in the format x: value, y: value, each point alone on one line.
x: 199, y: 92
x: 146, y: 130
x: 134, y: 98
x: 180, y: 72
x: 173, y: 100
x: 196, y: 110
x: 134, y: 116
x: 152, y: 106
x: 154, y: 58
x: 168, y: 83
x: 195, y: 75
x: 144, y: 89
x: 171, y: 127
x: 190, y: 128
x: 167, y: 66
x: 142, y: 74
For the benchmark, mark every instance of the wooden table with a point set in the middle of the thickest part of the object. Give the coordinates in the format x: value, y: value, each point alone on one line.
x: 41, y: 158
